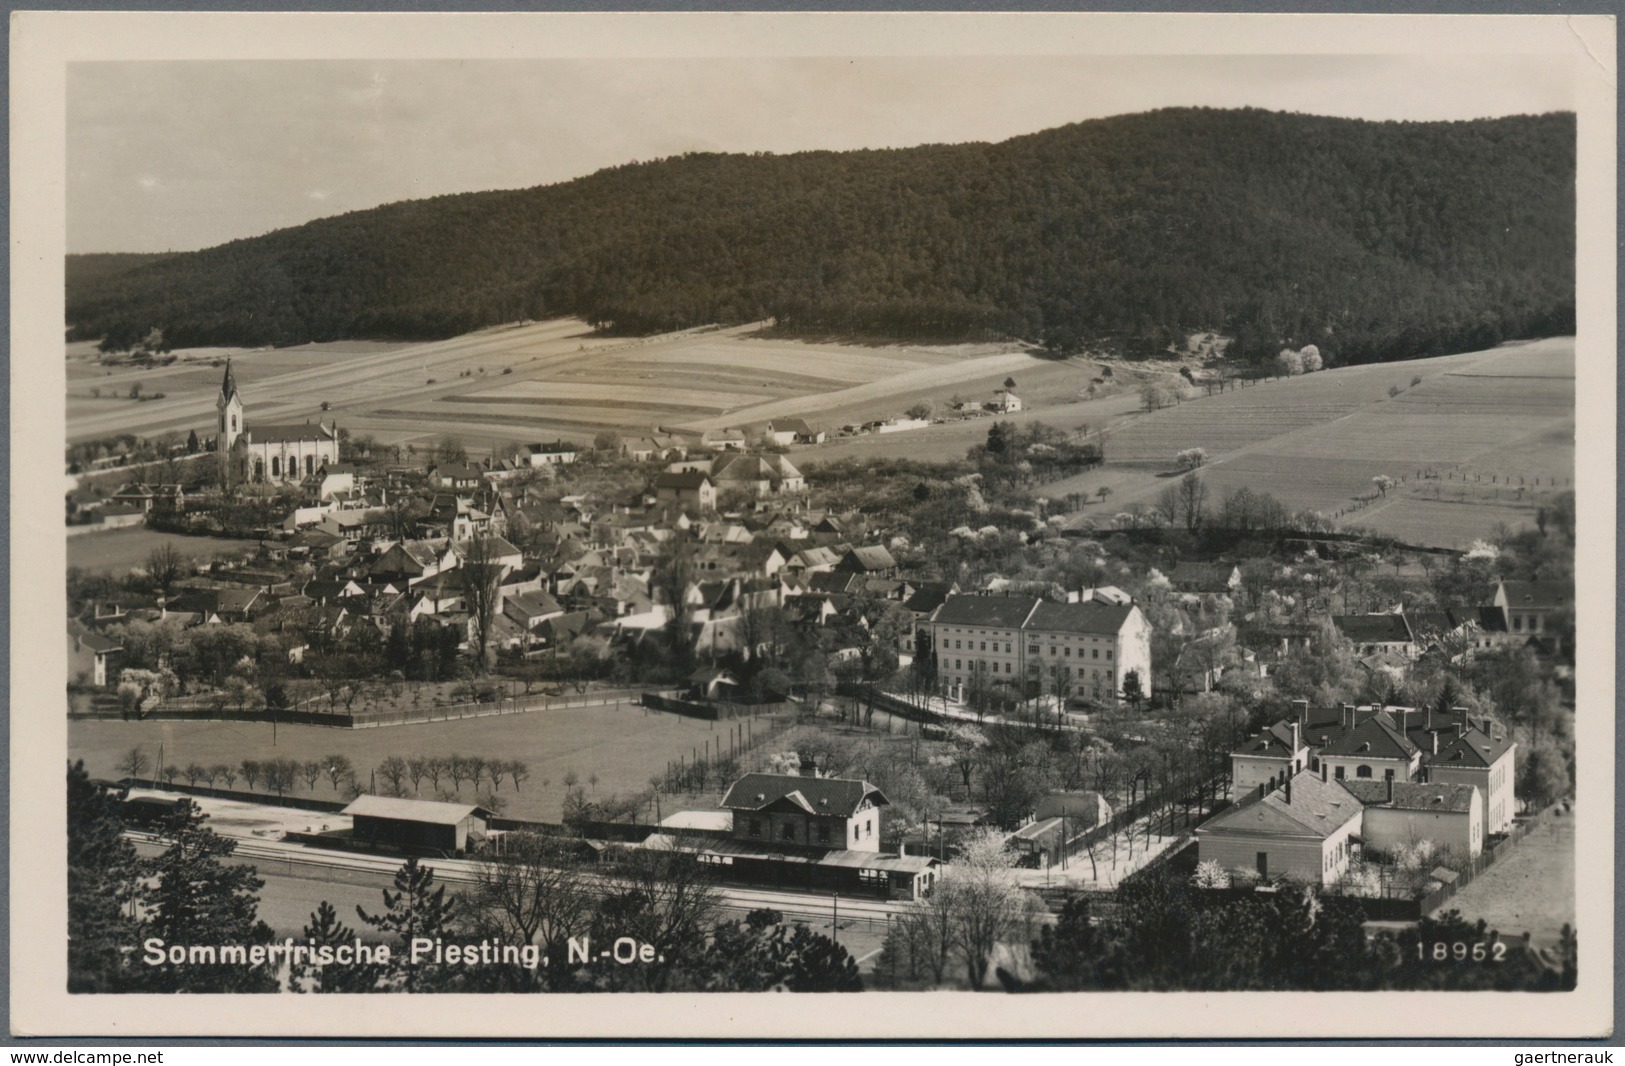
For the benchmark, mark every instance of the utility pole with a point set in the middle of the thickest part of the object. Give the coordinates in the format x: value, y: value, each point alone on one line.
x: 835, y: 918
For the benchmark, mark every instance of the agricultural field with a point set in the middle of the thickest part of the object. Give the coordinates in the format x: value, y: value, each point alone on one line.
x: 1483, y: 438
x: 623, y: 745
x: 557, y: 378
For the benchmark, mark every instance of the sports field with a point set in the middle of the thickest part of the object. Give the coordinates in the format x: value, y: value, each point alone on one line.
x: 623, y: 745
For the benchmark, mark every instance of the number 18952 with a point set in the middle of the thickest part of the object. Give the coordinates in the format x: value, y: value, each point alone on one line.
x: 1461, y: 951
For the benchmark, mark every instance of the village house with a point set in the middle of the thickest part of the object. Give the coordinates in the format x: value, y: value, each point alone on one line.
x: 725, y: 440
x: 1005, y: 402
x: 1481, y: 755
x: 92, y: 656
x: 1372, y: 747
x: 553, y: 453
x: 1303, y: 830
x: 1531, y: 608
x: 1400, y: 814
x: 755, y: 475
x: 688, y: 490
x: 1269, y: 759
x: 1375, y: 633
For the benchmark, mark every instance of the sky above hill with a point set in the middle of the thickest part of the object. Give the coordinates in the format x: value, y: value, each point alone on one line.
x: 185, y: 155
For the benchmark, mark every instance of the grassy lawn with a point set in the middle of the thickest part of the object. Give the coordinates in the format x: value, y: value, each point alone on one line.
x: 118, y: 550
x: 622, y: 745
x: 1531, y: 890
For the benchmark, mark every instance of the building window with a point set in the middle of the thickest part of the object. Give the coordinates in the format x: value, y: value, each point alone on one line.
x: 789, y: 830
x: 276, y: 466
x: 1007, y: 647
x: 1096, y: 654
x: 869, y: 829
x: 1108, y: 655
x: 823, y: 833
x: 755, y: 827
x: 1362, y: 771
x: 1387, y: 775
x: 1338, y: 771
x: 957, y: 665
x: 310, y: 465
x: 1007, y: 668
x: 984, y: 645
x: 958, y: 644
x: 1032, y: 649
x: 855, y: 831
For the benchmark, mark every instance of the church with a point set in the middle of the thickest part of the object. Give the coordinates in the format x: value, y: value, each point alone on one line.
x: 283, y: 454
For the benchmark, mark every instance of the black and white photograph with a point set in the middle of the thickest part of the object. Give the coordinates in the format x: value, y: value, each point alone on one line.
x: 966, y: 511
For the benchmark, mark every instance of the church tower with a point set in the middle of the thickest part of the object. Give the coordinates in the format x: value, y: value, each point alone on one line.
x: 228, y: 423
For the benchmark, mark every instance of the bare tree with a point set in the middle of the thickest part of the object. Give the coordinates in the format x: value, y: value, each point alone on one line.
x: 281, y: 774
x: 311, y: 771
x: 393, y: 771
x: 134, y: 763
x: 482, y: 574
x: 195, y: 772
x: 417, y: 768
x: 1193, y: 496
x: 457, y: 768
x: 519, y: 772
x: 252, y: 769
x: 165, y: 566
x: 225, y: 773
x: 530, y: 893
x: 339, y: 770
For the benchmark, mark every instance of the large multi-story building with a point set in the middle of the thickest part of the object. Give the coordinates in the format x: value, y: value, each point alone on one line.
x: 1068, y: 649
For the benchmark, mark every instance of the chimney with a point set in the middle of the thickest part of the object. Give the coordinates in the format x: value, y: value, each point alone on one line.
x: 1435, y: 736
x: 1300, y: 711
x: 1289, y: 791
x: 809, y: 766
x: 1324, y: 770
x: 1347, y: 716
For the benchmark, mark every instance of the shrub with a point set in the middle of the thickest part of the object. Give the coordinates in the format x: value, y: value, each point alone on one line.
x: 1210, y: 874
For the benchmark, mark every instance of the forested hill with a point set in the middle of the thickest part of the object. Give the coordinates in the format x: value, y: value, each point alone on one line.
x: 1371, y: 240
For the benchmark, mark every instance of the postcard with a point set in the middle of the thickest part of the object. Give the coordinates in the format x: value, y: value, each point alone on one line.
x: 1055, y: 525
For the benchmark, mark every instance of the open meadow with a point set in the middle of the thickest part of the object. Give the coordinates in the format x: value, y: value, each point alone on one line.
x: 622, y: 745
x: 1483, y: 438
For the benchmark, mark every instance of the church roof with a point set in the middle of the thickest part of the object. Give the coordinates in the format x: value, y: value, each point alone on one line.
x: 289, y: 433
x: 228, y: 387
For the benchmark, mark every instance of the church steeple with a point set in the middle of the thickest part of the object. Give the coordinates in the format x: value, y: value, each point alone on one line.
x: 228, y: 422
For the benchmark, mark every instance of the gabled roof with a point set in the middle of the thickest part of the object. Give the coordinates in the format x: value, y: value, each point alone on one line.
x: 93, y: 640
x: 928, y: 596
x: 1374, y: 628
x: 1091, y: 616
x: 688, y: 479
x: 999, y: 612
x: 870, y: 557
x: 1274, y: 742
x: 1472, y: 749
x: 411, y: 810
x: 789, y: 425
x: 1407, y: 796
x: 289, y: 433
x: 1375, y: 737
x: 1318, y: 809
x: 816, y: 795
x: 1545, y: 595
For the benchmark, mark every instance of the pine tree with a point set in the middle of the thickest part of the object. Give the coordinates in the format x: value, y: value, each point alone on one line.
x: 415, y: 910
x: 200, y: 900
x: 325, y: 929
x: 103, y: 877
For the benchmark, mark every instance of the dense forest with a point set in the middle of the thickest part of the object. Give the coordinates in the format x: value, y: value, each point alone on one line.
x: 1371, y: 240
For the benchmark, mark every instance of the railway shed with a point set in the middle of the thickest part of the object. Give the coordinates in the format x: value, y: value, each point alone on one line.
x: 411, y: 824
